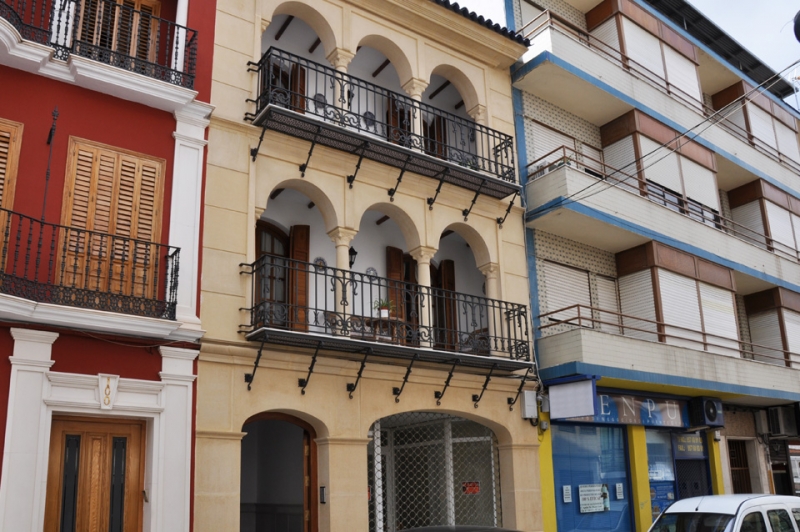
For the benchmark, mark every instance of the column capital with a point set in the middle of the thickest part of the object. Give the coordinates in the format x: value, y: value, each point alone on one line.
x: 340, y: 58
x: 415, y: 87
x: 491, y: 270
x: 423, y: 254
x: 33, y: 336
x: 342, y: 236
x: 478, y: 114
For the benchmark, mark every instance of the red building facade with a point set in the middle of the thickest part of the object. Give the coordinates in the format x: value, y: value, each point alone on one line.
x: 103, y: 116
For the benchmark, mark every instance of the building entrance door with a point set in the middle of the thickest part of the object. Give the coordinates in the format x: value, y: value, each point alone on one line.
x: 95, y: 475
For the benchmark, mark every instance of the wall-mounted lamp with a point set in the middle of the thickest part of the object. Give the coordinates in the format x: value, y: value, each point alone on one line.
x: 323, y: 492
x: 352, y: 253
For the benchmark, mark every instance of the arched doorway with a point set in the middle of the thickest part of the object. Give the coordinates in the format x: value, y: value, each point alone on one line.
x: 278, y: 475
x: 431, y: 469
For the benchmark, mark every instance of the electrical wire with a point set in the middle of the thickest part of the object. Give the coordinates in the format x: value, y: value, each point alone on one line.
x: 729, y: 109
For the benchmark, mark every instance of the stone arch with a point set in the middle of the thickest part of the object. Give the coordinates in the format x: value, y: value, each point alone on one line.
x: 313, y: 18
x: 302, y: 419
x: 411, y: 232
x: 393, y: 53
x: 315, y: 194
x: 476, y: 241
x: 461, y: 82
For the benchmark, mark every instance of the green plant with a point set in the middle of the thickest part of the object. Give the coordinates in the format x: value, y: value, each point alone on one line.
x: 383, y: 304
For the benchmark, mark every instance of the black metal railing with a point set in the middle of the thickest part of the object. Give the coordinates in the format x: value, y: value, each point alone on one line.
x: 301, y: 296
x: 309, y: 88
x: 50, y: 263
x: 108, y: 32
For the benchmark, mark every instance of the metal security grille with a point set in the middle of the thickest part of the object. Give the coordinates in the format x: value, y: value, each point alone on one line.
x: 740, y: 469
x: 428, y: 469
x: 692, y: 476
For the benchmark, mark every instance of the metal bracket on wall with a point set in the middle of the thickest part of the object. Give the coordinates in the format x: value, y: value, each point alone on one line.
x: 304, y: 166
x: 525, y: 378
x: 248, y: 377
x: 302, y: 383
x: 351, y: 386
x: 432, y: 200
x: 466, y: 212
x: 397, y: 391
x: 440, y: 395
x: 254, y: 151
x: 392, y: 191
x: 351, y: 178
x: 501, y: 221
x: 477, y: 398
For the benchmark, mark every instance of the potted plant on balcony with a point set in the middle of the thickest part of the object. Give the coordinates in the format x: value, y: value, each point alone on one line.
x: 384, y: 306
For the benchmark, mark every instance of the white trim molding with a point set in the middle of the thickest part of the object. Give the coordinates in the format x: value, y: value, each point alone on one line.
x: 36, y: 394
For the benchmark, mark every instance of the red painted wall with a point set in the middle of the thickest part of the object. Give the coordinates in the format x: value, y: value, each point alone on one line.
x: 202, y: 16
x: 90, y: 115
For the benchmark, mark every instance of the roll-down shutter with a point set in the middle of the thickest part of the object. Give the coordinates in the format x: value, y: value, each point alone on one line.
x: 545, y: 140
x: 719, y: 320
x: 765, y: 333
x: 645, y: 49
x: 681, y: 309
x: 700, y: 183
x: 661, y: 164
x: 620, y: 159
x: 749, y: 223
x: 636, y: 299
x: 780, y: 228
x: 607, y: 300
x: 791, y: 323
x: 761, y: 125
x: 787, y: 141
x: 565, y: 287
x: 682, y: 73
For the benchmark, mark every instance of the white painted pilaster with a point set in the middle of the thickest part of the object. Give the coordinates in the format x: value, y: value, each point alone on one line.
x: 177, y: 374
x: 24, y: 481
x: 187, y: 185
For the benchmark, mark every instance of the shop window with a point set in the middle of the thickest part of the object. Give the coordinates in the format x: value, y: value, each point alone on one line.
x: 112, y: 211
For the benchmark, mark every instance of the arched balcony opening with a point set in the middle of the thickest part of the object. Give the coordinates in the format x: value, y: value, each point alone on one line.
x: 432, y: 469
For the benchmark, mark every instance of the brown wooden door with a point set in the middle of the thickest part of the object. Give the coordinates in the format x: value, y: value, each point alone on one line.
x: 298, y: 88
x: 95, y: 475
x: 299, y: 242
x: 398, y: 120
x: 436, y: 137
x: 272, y: 249
x: 394, y: 272
x: 444, y: 303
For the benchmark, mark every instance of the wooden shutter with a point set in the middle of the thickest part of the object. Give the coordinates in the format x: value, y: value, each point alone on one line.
x: 607, y: 300
x: 435, y: 137
x: 394, y: 272
x: 750, y: 223
x: 637, y: 300
x: 446, y: 326
x: 682, y: 73
x: 565, y: 287
x: 112, y: 209
x: 719, y: 319
x: 298, y: 88
x: 700, y: 183
x: 299, y: 243
x: 10, y: 141
x: 765, y: 330
x: 680, y: 307
x: 398, y: 120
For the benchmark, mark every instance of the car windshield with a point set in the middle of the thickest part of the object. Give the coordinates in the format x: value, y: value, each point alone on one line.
x: 692, y: 522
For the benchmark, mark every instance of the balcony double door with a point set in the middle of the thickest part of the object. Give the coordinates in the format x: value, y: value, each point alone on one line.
x: 125, y: 27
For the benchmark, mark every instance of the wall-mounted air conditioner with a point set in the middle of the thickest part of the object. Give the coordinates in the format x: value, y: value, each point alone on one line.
x: 705, y: 412
x: 782, y: 421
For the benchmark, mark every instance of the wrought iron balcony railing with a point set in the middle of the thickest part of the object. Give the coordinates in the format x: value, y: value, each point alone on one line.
x: 658, y: 194
x: 50, y: 263
x: 311, y: 89
x: 109, y: 32
x: 303, y: 297
x: 581, y: 316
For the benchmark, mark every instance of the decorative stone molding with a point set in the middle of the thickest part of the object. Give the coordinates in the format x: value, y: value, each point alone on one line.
x: 423, y: 254
x: 491, y: 270
x: 415, y: 87
x: 342, y: 236
x: 340, y: 59
x: 479, y: 114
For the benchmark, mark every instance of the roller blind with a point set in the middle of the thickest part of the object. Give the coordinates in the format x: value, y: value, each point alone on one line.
x: 637, y: 300
x: 682, y: 73
x: 750, y: 224
x: 791, y: 322
x: 564, y: 287
x: 680, y: 307
x: 608, y: 37
x: 761, y: 125
x: 700, y: 183
x: 765, y: 330
x: 780, y: 228
x: 661, y: 166
x: 545, y: 140
x: 787, y: 141
x: 607, y: 300
x: 621, y: 156
x: 719, y: 319
x: 645, y: 49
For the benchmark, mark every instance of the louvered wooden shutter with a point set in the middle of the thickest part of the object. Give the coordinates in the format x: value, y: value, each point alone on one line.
x: 394, y: 272
x: 299, y: 243
x: 146, y: 30
x: 10, y: 141
x: 680, y: 308
x: 447, y: 305
x: 112, y: 207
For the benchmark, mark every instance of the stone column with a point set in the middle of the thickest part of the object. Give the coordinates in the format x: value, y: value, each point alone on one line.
x: 179, y: 39
x: 423, y: 256
x: 27, y: 438
x: 177, y: 374
x: 340, y: 59
x: 521, y: 491
x: 498, y: 326
x: 342, y: 466
x: 342, y: 236
x: 184, y: 227
x: 414, y: 88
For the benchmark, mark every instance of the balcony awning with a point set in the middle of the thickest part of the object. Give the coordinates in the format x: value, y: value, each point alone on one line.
x: 357, y: 347
x: 374, y: 148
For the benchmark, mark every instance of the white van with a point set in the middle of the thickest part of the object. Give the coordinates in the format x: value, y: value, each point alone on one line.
x: 731, y: 513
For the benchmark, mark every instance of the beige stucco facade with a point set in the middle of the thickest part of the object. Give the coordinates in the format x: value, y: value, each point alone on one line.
x: 420, y: 38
